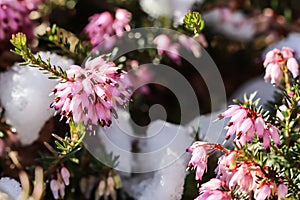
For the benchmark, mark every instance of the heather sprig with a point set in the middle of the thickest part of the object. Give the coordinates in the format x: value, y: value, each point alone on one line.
x: 252, y: 170
x: 65, y: 43
x: 19, y: 41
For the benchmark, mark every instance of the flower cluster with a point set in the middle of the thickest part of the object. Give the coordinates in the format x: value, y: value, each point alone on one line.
x: 244, y: 177
x: 165, y: 45
x: 250, y: 171
x: 245, y: 122
x: 105, y: 187
x: 214, y: 189
x: 104, y: 25
x: 90, y: 94
x: 277, y: 62
x: 14, y: 17
x: 58, y: 185
x: 235, y: 178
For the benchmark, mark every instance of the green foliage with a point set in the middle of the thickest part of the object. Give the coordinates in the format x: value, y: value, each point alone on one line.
x: 19, y: 41
x: 193, y: 22
x: 65, y: 43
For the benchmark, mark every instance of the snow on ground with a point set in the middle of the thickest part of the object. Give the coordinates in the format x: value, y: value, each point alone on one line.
x: 233, y: 24
x: 175, y: 9
x: 292, y: 40
x: 24, y: 93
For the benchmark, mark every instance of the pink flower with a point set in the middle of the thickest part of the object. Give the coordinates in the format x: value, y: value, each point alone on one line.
x: 213, y: 195
x: 292, y: 65
x: 271, y: 132
x: 243, y: 179
x: 245, y: 122
x: 190, y: 44
x: 212, y: 184
x: 22, y: 5
x: 198, y: 161
x: 287, y: 52
x: 122, y: 20
x: 170, y: 45
x: 65, y: 174
x: 14, y: 17
x: 275, y: 61
x: 102, y: 26
x: 282, y: 191
x: 263, y: 192
x: 202, y: 40
x: 54, y: 186
x: 165, y: 46
x: 62, y: 188
x: 212, y: 190
x: 91, y: 93
x: 226, y: 167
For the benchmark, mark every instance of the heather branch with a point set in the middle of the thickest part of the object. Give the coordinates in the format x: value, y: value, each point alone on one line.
x: 19, y: 41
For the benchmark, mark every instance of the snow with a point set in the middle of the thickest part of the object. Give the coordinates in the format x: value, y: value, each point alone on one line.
x: 172, y: 9
x: 164, y: 184
x: 233, y: 24
x: 292, y: 40
x: 116, y: 139
x: 25, y: 96
x: 11, y: 187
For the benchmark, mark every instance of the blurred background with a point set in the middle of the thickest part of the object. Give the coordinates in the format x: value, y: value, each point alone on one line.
x: 237, y: 34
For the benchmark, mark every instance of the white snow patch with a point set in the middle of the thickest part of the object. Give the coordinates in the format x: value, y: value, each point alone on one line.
x: 172, y: 9
x: 11, y: 187
x: 233, y: 24
x: 24, y: 93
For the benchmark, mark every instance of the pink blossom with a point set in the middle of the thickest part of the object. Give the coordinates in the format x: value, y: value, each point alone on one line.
x: 65, y: 174
x: 260, y: 126
x: 122, y: 20
x: 198, y: 161
x: 212, y: 184
x: 243, y: 179
x: 245, y: 122
x: 213, y: 195
x: 190, y: 44
x: 102, y: 26
x: 212, y: 190
x: 276, y: 73
x: 54, y: 186
x: 165, y: 46
x: 62, y: 188
x: 227, y: 165
x: 263, y: 192
x: 22, y: 5
x: 271, y: 56
x: 292, y: 65
x: 287, y: 52
x: 91, y: 93
x: 14, y: 17
x: 271, y: 132
x: 275, y: 62
x: 282, y: 191
x: 202, y: 40
x: 170, y: 45
x: 140, y: 76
